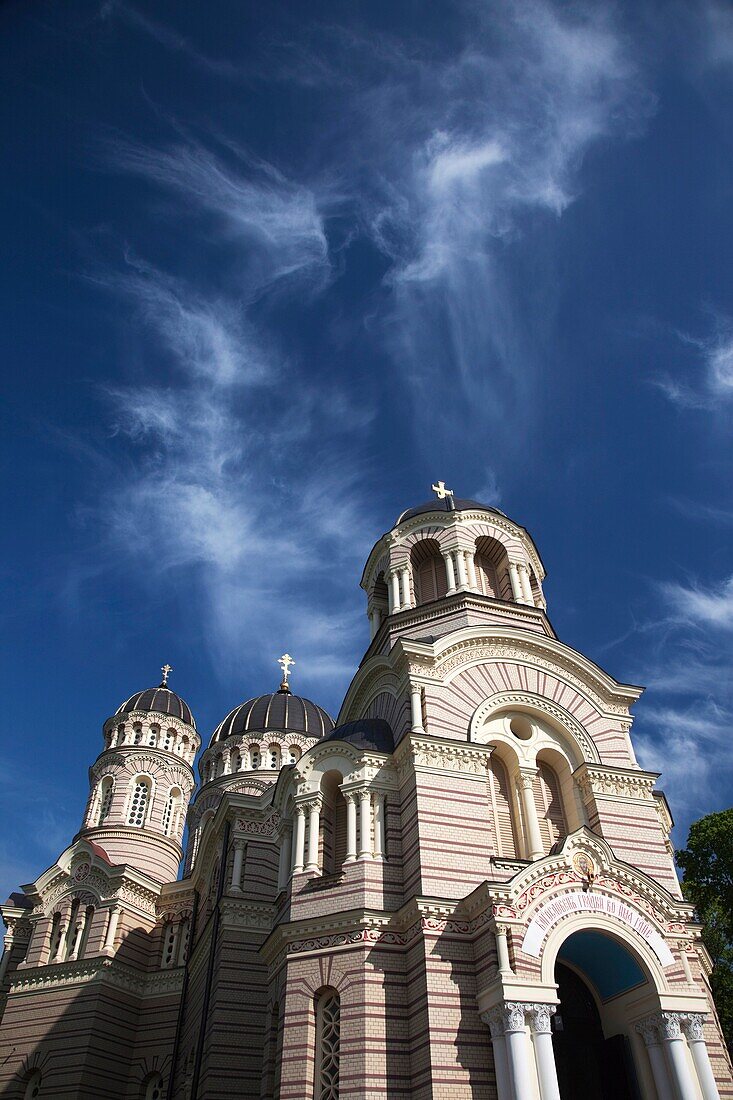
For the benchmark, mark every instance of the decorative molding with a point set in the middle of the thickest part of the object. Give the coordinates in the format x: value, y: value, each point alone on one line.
x: 442, y: 755
x: 268, y: 827
x: 109, y: 971
x: 614, y: 782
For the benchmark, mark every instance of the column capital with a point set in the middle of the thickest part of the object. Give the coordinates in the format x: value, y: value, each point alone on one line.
x: 670, y: 1025
x: 649, y: 1030
x: 540, y: 1016
x: 692, y: 1024
x: 377, y: 797
x: 238, y: 844
x: 512, y: 1014
x: 525, y: 778
x: 494, y: 1021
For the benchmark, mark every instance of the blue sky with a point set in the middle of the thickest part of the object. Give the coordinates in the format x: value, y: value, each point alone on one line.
x: 270, y: 270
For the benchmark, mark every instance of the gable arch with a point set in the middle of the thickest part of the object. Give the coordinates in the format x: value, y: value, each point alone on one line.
x: 581, y: 746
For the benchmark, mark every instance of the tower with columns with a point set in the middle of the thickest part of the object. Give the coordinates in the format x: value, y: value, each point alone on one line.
x: 461, y: 889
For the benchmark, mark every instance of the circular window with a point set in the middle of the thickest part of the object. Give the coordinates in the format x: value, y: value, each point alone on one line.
x: 521, y: 727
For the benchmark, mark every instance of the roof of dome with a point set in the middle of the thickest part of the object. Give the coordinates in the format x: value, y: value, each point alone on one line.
x: 436, y: 505
x: 280, y: 710
x: 161, y: 700
x: 365, y: 733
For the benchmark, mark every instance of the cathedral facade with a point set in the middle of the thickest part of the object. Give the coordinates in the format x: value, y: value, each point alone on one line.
x: 461, y: 889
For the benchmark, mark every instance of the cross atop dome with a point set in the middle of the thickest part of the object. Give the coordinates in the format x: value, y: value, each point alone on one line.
x: 285, y: 662
x: 441, y: 492
x: 166, y: 670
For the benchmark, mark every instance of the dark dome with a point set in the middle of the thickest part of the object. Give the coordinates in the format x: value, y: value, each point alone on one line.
x: 442, y: 506
x: 161, y: 700
x: 366, y: 733
x: 280, y: 710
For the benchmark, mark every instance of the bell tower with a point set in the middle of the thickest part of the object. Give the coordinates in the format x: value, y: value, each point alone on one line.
x: 142, y: 781
x: 452, y: 562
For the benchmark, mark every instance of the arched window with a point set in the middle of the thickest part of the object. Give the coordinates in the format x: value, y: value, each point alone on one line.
x: 548, y: 801
x: 168, y: 738
x: 183, y: 746
x: 501, y: 805
x: 86, y: 929
x: 73, y: 930
x: 120, y: 739
x: 33, y: 1085
x: 171, y: 811
x: 139, y: 801
x: 428, y: 571
x: 328, y: 1028
x: 106, y: 790
x: 170, y: 942
x: 293, y: 754
x: 334, y: 823
x: 254, y: 756
x: 236, y: 760
x: 492, y: 571
x: 54, y: 941
x: 137, y: 735
x: 485, y: 575
x: 273, y: 756
x: 153, y: 1087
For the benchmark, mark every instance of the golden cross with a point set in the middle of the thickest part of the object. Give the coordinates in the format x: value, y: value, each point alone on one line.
x: 441, y: 491
x: 285, y: 662
x: 166, y: 670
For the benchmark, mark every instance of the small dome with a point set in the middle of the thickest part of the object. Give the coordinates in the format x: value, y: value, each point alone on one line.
x: 436, y: 505
x: 280, y: 710
x: 161, y: 700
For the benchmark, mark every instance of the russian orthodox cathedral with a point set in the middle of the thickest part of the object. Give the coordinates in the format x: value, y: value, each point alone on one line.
x: 462, y: 888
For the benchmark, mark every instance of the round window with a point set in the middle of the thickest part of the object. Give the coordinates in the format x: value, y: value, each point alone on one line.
x: 521, y: 727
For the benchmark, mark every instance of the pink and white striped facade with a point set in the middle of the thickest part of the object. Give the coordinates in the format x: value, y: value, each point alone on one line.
x: 379, y: 911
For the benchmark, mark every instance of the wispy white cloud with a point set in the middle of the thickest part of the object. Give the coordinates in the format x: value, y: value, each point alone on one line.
x: 238, y: 481
x: 696, y: 605
x: 711, y: 385
x: 465, y: 153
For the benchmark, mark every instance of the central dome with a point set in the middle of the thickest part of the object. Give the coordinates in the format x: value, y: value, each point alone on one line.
x: 281, y: 710
x: 443, y: 506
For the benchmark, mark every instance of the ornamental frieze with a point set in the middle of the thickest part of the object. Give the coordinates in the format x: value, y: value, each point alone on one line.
x: 267, y: 827
x: 593, y: 781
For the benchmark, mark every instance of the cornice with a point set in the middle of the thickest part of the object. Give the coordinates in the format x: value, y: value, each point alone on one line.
x: 617, y: 783
x: 102, y: 970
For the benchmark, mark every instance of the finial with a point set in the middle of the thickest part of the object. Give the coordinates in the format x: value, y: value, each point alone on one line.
x: 285, y: 662
x: 441, y: 492
x: 166, y: 670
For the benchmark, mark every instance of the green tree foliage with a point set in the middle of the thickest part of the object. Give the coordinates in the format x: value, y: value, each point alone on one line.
x: 707, y: 866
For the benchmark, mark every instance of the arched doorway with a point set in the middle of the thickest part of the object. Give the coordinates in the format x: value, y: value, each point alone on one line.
x: 592, y: 1055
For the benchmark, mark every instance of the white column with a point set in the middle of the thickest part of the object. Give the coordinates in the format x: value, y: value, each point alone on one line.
x: 462, y: 574
x: 227, y: 758
x: 674, y: 1044
x: 449, y: 571
x: 649, y: 1031
x: 498, y: 1041
x: 526, y: 587
x: 692, y: 1023
x: 372, y: 623
x: 378, y: 825
x: 109, y: 936
x: 235, y: 886
x: 472, y: 579
x: 76, y: 938
x: 539, y: 1016
x: 365, y: 824
x: 7, y: 948
x: 525, y: 784
x: 406, y: 599
x: 416, y: 708
x: 314, y: 834
x: 350, y: 856
x: 686, y: 966
x: 63, y: 928
x: 299, y: 846
x: 283, y: 867
x: 514, y: 581
x: 394, y: 591
x: 502, y: 950
x: 516, y: 1049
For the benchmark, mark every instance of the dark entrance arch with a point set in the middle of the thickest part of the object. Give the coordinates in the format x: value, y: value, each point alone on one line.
x: 588, y: 1064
